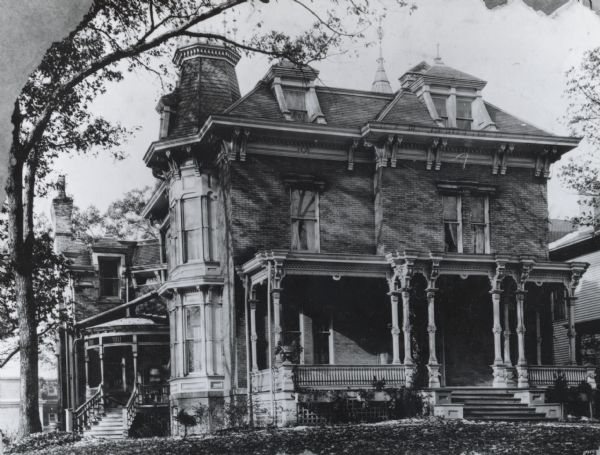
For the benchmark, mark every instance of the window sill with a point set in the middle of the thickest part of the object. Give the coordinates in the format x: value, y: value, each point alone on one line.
x: 109, y: 299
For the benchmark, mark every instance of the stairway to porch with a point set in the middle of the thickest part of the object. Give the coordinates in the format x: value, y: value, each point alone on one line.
x: 108, y: 426
x: 495, y: 405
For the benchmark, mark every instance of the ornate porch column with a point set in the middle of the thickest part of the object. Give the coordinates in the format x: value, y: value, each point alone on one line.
x: 124, y: 373
x: 253, y: 336
x: 395, y: 328
x: 523, y: 379
x: 499, y: 376
x: 538, y: 337
x: 134, y: 353
x: 432, y: 366
x: 101, y: 355
x: 87, y: 370
x: 406, y: 328
x: 509, y: 371
x: 276, y: 298
x: 571, y: 332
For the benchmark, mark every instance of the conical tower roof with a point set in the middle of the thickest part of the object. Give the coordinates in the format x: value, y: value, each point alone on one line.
x: 381, y: 84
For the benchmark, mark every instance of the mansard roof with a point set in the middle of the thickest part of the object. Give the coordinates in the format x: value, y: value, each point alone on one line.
x: 145, y: 253
x: 442, y: 71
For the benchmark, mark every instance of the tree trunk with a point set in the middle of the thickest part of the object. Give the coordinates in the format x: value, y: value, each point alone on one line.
x: 21, y: 252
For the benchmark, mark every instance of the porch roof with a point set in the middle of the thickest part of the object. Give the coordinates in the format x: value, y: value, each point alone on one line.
x: 380, y: 266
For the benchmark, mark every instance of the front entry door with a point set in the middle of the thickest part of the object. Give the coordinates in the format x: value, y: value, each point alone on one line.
x: 467, y: 333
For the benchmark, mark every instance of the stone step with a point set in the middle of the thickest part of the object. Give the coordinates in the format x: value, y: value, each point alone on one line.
x: 527, y: 411
x: 503, y: 418
x: 484, y: 402
x: 496, y: 406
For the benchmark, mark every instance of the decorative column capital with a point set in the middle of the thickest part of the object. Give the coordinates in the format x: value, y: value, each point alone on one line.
x: 254, y: 337
x: 521, y: 330
x: 276, y: 292
x: 431, y: 328
x: 396, y: 330
x: 431, y: 292
x: 253, y: 304
x: 497, y: 329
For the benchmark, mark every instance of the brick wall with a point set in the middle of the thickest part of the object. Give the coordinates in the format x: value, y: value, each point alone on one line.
x: 261, y: 205
x: 411, y: 209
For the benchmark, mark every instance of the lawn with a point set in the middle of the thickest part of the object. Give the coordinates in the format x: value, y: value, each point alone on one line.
x: 414, y: 437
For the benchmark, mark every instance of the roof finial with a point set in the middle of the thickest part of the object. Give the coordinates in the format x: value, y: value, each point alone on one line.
x: 381, y: 84
x: 437, y: 58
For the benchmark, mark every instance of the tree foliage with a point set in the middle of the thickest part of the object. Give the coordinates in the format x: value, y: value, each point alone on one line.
x: 122, y: 220
x: 50, y: 277
x: 582, y: 174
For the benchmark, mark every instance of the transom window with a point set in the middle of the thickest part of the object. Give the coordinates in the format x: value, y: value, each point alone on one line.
x: 452, y: 215
x: 110, y: 282
x: 464, y: 117
x: 305, y: 220
x: 480, y: 224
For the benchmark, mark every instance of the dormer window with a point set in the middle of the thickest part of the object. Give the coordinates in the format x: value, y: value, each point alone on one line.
x: 110, y: 282
x: 296, y: 103
x: 464, y: 116
x: 440, y: 106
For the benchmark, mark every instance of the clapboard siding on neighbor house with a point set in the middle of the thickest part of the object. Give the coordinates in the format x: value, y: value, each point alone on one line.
x: 561, y: 343
x: 587, y: 307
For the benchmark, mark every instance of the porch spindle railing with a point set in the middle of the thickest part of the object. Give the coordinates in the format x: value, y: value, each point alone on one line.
x: 129, y: 411
x: 344, y: 376
x: 544, y: 375
x: 89, y: 412
x: 151, y: 394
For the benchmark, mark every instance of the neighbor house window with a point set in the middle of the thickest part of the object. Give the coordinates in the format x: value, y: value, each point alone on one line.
x: 191, y: 221
x: 480, y: 224
x: 193, y: 329
x: 440, y: 106
x: 464, y: 117
x: 108, y: 270
x: 452, y: 223
x: 305, y: 220
x: 558, y: 304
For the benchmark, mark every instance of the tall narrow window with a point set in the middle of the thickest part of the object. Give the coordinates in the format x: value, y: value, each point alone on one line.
x: 174, y: 339
x: 558, y: 304
x: 305, y: 220
x: 193, y: 340
x: 192, y: 229
x: 452, y: 223
x: 209, y: 227
x: 464, y: 117
x: 110, y: 282
x: 172, y: 236
x: 440, y: 106
x: 480, y: 225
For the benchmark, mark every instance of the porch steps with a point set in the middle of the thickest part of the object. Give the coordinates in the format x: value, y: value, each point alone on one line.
x: 494, y: 404
x: 110, y: 426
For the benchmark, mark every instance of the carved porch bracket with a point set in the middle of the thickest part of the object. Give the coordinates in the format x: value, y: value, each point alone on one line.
x: 174, y: 168
x: 525, y: 268
x: 498, y: 275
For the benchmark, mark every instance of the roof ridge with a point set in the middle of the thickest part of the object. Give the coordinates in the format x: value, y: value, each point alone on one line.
x: 363, y: 92
x: 386, y: 110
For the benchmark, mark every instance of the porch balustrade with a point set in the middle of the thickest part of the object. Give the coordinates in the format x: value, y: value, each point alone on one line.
x: 544, y: 375
x: 344, y: 376
x: 89, y: 412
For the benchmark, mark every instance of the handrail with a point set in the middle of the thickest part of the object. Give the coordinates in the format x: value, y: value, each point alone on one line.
x: 129, y: 411
x: 88, y: 412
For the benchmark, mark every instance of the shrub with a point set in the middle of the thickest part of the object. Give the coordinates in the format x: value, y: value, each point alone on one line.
x: 187, y: 420
x: 38, y: 441
x: 404, y: 403
x: 236, y: 413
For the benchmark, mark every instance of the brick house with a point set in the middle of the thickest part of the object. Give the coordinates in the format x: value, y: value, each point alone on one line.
x: 321, y: 238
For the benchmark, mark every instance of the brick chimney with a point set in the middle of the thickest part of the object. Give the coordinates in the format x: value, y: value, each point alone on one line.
x: 61, y: 213
x: 207, y: 85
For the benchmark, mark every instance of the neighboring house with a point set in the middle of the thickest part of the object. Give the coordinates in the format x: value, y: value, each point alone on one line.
x: 583, y: 245
x: 320, y: 238
x: 10, y: 403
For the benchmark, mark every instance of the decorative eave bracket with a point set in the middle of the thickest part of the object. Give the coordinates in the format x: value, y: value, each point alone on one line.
x: 236, y: 147
x: 543, y: 160
x: 500, y: 163
x: 386, y: 151
x: 434, y: 154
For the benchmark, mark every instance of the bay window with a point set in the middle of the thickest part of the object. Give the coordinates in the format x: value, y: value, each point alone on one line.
x: 193, y: 340
x: 191, y: 231
x: 305, y: 220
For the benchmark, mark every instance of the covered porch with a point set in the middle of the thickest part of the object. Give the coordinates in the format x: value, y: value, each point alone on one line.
x: 429, y: 321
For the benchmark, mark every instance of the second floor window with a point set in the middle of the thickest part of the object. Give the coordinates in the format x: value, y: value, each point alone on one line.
x: 480, y: 225
x: 296, y: 103
x: 191, y: 223
x: 452, y: 214
x: 108, y: 270
x: 305, y: 220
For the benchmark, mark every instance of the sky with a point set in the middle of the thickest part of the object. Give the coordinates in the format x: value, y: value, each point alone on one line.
x: 523, y: 54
